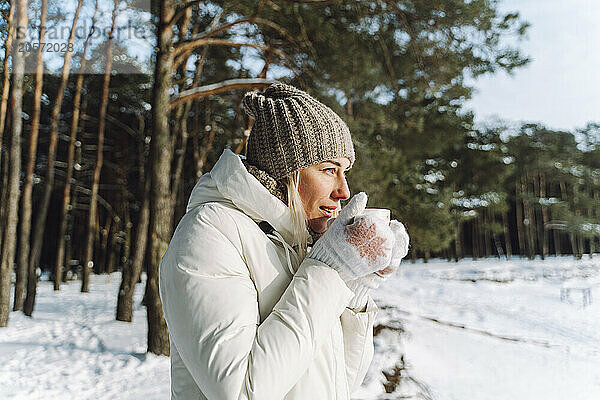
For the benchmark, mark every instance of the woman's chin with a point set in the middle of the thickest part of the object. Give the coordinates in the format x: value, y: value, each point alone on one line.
x: 318, y: 225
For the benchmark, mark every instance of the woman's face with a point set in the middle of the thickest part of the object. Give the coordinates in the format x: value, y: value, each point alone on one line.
x: 321, y: 188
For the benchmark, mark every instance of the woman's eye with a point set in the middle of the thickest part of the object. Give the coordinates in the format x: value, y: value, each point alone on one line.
x: 330, y: 170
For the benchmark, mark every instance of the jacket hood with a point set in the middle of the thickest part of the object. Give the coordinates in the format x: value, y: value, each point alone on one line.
x: 230, y: 183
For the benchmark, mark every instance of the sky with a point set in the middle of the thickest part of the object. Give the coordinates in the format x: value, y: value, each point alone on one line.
x: 560, y: 87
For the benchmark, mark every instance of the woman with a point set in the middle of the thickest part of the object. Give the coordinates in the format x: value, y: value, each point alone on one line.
x: 251, y: 315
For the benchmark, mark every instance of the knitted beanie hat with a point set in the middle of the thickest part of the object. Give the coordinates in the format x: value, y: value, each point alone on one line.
x: 292, y: 131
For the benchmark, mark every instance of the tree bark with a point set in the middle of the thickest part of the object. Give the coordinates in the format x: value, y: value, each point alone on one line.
x: 486, y: 233
x: 572, y: 239
x: 519, y: 216
x: 6, y: 79
x: 545, y: 217
x: 132, y: 271
x: 596, y: 197
x: 529, y: 238
x: 458, y: 242
x: 182, y: 112
x: 208, y: 140
x: 161, y: 157
x: 112, y: 250
x: 557, y: 243
x: 40, y: 222
x: 102, y: 244
x: 91, y: 226
x: 475, y: 239
x: 72, y: 226
x: 540, y: 222
x: 60, y: 261
x: 133, y: 267
x: 4, y: 113
x: 25, y: 269
x: 9, y: 243
x: 506, y: 236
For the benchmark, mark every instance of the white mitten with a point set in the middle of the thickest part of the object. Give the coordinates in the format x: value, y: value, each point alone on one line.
x: 361, y: 288
x: 356, y: 248
x: 400, y: 249
x: 363, y: 285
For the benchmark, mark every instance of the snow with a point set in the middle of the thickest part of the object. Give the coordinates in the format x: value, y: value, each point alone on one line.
x: 74, y: 348
x: 488, y: 329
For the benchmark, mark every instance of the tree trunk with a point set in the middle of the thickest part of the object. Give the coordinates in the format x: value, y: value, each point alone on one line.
x: 9, y: 243
x: 75, y: 199
x: 132, y: 271
x: 195, y: 140
x: 557, y: 237
x: 178, y: 172
x: 91, y: 227
x: 182, y: 112
x: 475, y: 239
x: 529, y: 220
x: 161, y: 157
x: 519, y: 216
x: 3, y: 194
x: 506, y: 236
x: 65, y: 215
x: 458, y: 242
x: 6, y: 80
x: 40, y: 222
x: 102, y: 244
x: 3, y: 113
x: 485, y: 219
x: 24, y: 267
x: 545, y: 217
x: 594, y: 215
x: 113, y: 250
x: 557, y: 243
x: 564, y: 197
x: 539, y: 226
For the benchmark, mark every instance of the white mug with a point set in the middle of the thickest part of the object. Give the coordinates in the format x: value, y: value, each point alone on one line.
x: 381, y: 213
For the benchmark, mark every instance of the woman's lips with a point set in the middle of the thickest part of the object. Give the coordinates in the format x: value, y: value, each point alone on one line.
x: 328, y: 211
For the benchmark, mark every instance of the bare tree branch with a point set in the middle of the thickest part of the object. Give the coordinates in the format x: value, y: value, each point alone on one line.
x: 313, y: 2
x: 212, y: 31
x: 199, y: 40
x: 187, y: 53
x: 225, y: 42
x: 182, y: 10
x: 221, y: 87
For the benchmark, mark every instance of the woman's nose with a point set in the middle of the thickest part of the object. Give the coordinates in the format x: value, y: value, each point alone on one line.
x: 341, y: 192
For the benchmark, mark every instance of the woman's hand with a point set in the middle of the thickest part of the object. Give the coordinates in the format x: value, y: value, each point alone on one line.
x: 355, y: 248
x: 400, y: 248
x: 362, y: 286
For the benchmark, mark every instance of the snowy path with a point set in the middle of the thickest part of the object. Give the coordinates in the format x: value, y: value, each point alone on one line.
x: 473, y: 330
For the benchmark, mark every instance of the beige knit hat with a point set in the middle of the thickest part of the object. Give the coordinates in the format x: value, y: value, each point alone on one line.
x: 292, y: 131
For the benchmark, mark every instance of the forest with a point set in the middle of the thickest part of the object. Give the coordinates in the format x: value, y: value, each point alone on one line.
x: 101, y: 145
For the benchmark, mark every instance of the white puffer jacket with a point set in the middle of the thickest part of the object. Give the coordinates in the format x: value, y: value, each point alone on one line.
x: 241, y: 324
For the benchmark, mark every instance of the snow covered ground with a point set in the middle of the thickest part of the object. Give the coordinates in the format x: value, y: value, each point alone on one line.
x: 74, y: 348
x: 488, y: 329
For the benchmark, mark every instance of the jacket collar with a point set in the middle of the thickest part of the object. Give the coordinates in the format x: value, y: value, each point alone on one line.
x: 230, y: 182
